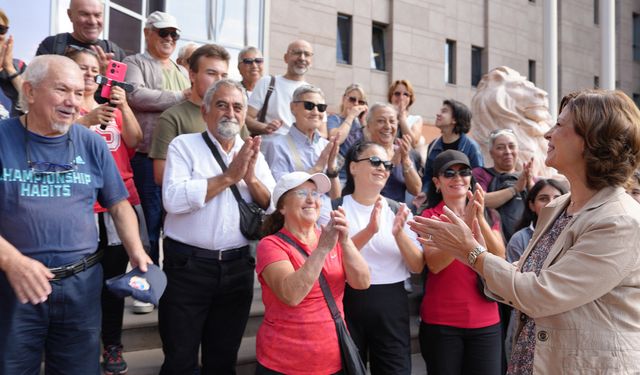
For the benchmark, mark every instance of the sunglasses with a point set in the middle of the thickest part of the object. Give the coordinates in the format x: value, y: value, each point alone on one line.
x: 309, y: 106
x: 398, y: 93
x: 498, y: 132
x: 3, y: 29
x: 376, y: 161
x: 163, y: 33
x: 450, y: 173
x: 73, y: 47
x: 355, y: 100
x: 257, y: 60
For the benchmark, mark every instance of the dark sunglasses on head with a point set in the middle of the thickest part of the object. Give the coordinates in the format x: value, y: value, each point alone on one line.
x: 355, y: 100
x: 310, y: 105
x: 398, y: 93
x: 257, y: 60
x: 376, y: 161
x: 3, y: 29
x: 163, y: 33
x: 73, y: 47
x: 450, y: 173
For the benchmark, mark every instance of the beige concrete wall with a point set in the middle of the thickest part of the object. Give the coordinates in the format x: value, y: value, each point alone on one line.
x: 510, y: 31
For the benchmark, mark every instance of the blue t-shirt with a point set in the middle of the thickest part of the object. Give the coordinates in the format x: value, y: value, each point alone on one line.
x: 50, y: 217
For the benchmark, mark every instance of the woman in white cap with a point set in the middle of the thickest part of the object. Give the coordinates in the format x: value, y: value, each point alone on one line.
x: 378, y: 318
x: 298, y: 334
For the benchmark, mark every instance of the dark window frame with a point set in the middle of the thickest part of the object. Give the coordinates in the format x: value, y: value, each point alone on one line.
x: 477, y: 65
x: 344, y: 42
x: 450, y: 62
x: 379, y: 46
x: 532, y: 71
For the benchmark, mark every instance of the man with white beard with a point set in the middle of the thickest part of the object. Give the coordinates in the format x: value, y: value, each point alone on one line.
x: 278, y: 117
x: 206, y: 258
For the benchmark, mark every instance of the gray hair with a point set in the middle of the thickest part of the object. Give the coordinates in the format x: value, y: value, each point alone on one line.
x: 377, y: 106
x: 226, y: 82
x: 246, y: 50
x: 37, y: 71
x: 184, y: 49
x: 306, y: 89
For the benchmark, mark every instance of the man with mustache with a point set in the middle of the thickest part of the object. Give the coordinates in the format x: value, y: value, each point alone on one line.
x: 278, y: 118
x: 50, y: 271
x: 87, y: 17
x: 159, y: 83
x: 209, y: 267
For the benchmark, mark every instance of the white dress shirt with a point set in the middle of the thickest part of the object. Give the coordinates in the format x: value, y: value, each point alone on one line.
x: 214, y: 224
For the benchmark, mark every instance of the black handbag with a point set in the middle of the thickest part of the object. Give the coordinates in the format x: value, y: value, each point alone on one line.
x: 251, y: 215
x: 351, y: 361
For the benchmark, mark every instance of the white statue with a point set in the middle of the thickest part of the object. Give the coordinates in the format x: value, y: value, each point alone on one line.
x: 506, y: 99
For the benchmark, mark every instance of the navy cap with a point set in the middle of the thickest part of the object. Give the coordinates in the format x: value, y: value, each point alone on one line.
x: 143, y: 286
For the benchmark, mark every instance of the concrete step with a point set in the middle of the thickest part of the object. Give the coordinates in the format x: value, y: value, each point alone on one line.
x: 148, y: 362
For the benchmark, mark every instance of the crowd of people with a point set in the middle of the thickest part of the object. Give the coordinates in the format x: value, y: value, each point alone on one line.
x: 522, y: 274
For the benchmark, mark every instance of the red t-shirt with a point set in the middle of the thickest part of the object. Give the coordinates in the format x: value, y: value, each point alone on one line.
x: 452, y: 298
x: 112, y: 134
x: 300, y: 339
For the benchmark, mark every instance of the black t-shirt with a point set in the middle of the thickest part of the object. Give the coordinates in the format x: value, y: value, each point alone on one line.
x: 451, y: 146
x: 57, y: 45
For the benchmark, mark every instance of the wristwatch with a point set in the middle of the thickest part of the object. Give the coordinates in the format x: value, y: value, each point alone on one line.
x: 472, y: 257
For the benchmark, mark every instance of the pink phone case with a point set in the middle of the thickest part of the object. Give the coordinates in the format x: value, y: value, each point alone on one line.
x: 116, y: 71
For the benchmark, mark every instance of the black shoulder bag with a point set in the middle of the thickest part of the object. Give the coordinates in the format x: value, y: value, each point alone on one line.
x: 262, y: 114
x: 351, y: 361
x: 251, y: 215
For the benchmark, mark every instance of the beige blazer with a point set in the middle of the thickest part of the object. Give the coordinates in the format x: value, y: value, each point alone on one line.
x: 586, y: 300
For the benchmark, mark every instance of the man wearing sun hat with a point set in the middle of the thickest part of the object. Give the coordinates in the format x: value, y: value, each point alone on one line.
x: 159, y: 83
x: 209, y: 268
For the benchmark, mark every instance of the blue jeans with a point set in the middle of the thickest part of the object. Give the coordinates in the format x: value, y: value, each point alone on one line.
x: 150, y: 200
x: 66, y: 327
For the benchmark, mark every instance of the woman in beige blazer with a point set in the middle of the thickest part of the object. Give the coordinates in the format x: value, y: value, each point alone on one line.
x: 577, y: 286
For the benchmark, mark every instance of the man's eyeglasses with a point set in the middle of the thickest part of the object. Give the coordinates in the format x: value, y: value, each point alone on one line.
x: 450, y: 173
x: 3, y: 29
x: 309, y: 106
x: 47, y: 167
x: 257, y: 60
x: 300, y: 52
x: 398, y: 93
x: 355, y: 100
x: 376, y: 162
x: 304, y: 194
x: 163, y: 33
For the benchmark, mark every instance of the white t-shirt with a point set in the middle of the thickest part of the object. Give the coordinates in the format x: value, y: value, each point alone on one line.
x: 386, y: 263
x: 279, y: 102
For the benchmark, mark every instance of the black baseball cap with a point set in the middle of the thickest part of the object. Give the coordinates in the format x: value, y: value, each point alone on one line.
x: 448, y: 158
x: 143, y: 286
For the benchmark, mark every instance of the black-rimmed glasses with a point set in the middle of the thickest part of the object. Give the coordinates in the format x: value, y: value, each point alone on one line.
x: 355, y: 100
x: 450, y: 173
x: 163, y: 33
x: 47, y: 167
x: 309, y: 106
x: 376, y: 162
x: 257, y: 60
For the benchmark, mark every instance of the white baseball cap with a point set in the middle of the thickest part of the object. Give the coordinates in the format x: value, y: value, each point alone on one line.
x: 161, y: 20
x: 293, y: 179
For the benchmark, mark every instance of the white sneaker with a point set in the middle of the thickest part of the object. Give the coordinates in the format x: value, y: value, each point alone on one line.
x: 140, y: 307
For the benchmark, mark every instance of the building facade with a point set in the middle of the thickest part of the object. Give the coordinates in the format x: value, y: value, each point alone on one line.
x: 442, y: 46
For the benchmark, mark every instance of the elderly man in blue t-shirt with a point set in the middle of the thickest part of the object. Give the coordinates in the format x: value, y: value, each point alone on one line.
x: 51, y: 173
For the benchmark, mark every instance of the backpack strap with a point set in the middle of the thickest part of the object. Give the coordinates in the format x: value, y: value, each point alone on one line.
x: 60, y: 43
x: 262, y: 115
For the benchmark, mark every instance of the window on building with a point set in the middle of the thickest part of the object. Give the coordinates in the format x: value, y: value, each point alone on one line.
x: 636, y: 37
x: 343, y: 41
x: 636, y: 99
x: 596, y: 82
x: 378, y: 49
x: 477, y: 67
x: 596, y: 12
x: 532, y: 71
x: 450, y: 61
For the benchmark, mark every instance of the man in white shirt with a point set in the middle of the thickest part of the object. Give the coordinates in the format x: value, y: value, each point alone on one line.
x: 278, y: 117
x: 206, y: 258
